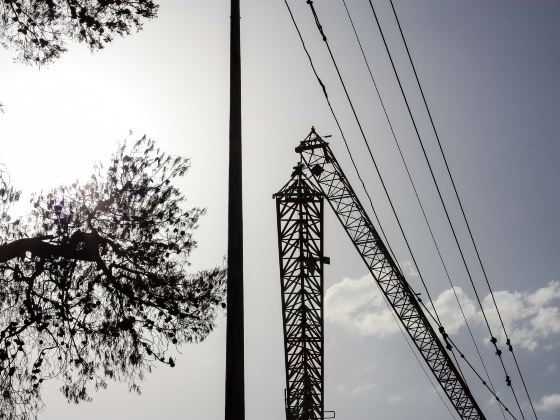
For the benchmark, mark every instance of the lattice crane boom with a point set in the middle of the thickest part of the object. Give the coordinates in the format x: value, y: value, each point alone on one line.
x: 321, y: 162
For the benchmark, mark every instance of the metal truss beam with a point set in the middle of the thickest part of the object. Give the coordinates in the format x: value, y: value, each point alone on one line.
x: 299, y: 206
x: 319, y: 159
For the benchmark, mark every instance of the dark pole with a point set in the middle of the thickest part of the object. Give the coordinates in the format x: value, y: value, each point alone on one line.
x: 235, y: 379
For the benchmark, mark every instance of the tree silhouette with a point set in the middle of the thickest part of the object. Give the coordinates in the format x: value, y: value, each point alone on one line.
x: 93, y: 284
x: 38, y: 29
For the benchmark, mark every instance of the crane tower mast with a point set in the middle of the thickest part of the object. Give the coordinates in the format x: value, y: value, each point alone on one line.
x: 299, y: 206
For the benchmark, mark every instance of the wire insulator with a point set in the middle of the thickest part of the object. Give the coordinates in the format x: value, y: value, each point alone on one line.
x: 510, y: 347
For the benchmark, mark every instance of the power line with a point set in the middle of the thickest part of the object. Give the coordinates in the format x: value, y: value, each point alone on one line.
x: 324, y: 89
x: 508, y: 341
x: 416, y: 193
x: 493, y: 340
x: 406, y: 338
x: 451, y: 346
x: 363, y: 184
x: 321, y: 31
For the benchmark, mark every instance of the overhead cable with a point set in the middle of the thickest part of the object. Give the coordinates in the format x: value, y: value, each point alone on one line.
x: 358, y: 122
x: 451, y: 346
x: 363, y: 185
x: 324, y: 89
x: 407, y: 340
x: 372, y: 78
x: 493, y: 340
x: 508, y: 341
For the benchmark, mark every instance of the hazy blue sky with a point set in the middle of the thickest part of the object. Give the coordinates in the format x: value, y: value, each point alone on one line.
x: 490, y: 72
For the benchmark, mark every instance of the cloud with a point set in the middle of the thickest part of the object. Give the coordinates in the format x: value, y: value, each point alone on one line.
x: 548, y: 403
x: 367, y: 369
x: 552, y: 368
x: 356, y: 389
x: 360, y: 389
x: 395, y: 398
x: 408, y: 268
x: 358, y: 305
x: 529, y: 317
x: 449, y: 311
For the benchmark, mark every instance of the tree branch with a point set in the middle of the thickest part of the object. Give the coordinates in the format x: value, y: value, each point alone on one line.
x: 37, y: 247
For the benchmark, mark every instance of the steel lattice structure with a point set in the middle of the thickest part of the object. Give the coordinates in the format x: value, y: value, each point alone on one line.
x: 321, y: 162
x: 299, y: 206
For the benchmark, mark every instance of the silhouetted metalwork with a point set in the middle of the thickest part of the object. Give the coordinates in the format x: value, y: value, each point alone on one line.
x: 321, y: 162
x: 299, y: 206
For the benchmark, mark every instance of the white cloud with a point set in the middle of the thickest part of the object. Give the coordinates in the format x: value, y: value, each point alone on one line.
x: 395, y: 398
x: 546, y: 295
x: 360, y: 389
x: 548, y: 403
x: 408, y: 268
x: 367, y: 369
x: 357, y: 389
x: 552, y: 368
x: 358, y: 305
x: 529, y: 317
x: 449, y: 311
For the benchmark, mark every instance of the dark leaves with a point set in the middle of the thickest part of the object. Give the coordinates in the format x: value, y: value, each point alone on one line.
x: 117, y: 293
x: 38, y: 30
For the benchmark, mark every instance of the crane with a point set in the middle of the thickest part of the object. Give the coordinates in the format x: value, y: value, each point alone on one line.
x: 299, y: 204
x: 299, y: 207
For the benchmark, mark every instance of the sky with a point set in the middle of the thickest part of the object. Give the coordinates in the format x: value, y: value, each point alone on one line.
x: 489, y: 71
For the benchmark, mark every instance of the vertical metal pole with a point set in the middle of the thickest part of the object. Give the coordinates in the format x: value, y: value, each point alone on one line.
x: 235, y: 380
